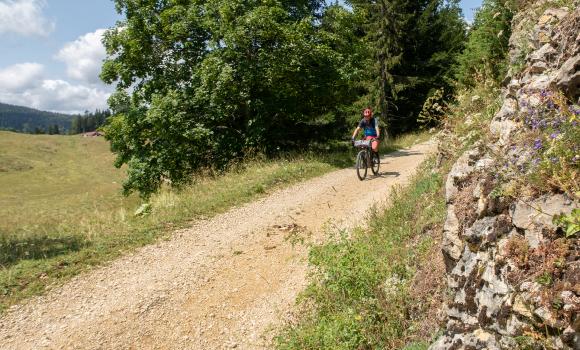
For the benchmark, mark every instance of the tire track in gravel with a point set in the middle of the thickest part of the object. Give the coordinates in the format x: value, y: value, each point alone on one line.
x: 225, y: 282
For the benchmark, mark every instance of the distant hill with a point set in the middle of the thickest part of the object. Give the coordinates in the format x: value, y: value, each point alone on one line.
x: 24, y: 119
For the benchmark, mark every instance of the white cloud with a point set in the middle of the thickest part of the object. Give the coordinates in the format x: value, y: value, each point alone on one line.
x: 24, y: 17
x: 84, y: 57
x: 59, y: 96
x: 20, y: 76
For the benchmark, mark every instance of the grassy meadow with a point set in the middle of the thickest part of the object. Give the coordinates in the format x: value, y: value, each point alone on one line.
x: 61, y: 208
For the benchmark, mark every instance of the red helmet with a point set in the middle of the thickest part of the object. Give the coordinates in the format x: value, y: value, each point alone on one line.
x: 367, y: 112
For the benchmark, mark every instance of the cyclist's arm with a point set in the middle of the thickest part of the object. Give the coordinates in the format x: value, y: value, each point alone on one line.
x: 355, y: 132
x: 377, y: 127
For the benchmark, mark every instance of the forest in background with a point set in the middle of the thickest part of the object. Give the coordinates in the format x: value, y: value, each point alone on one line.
x: 34, y: 121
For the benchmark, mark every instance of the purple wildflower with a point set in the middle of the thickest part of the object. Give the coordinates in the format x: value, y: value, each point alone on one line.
x: 537, y: 144
x: 542, y: 124
x: 554, y: 135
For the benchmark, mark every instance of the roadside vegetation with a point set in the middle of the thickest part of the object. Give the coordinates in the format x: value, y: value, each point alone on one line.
x: 62, y: 210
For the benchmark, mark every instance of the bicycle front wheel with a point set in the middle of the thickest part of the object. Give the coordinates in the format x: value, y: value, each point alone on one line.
x: 375, y: 163
x: 361, y: 165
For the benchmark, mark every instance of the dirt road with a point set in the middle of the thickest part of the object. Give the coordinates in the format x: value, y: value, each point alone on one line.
x: 223, y: 283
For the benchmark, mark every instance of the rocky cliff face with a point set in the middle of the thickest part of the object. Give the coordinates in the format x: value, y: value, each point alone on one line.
x: 513, y: 276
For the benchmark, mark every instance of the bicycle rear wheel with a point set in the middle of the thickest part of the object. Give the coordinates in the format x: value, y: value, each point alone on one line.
x: 375, y: 163
x: 361, y: 165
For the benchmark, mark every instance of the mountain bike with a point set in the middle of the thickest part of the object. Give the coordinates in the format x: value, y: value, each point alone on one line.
x: 366, y: 158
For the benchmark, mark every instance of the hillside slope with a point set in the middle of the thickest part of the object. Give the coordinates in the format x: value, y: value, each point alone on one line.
x: 46, y: 179
x: 26, y: 119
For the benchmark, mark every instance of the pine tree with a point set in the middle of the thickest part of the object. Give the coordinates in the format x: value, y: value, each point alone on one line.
x: 385, y: 22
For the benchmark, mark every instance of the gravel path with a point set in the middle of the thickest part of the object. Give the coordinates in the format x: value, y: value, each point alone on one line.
x: 225, y: 282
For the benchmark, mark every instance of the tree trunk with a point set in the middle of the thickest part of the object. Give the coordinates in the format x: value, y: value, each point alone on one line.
x: 383, y: 69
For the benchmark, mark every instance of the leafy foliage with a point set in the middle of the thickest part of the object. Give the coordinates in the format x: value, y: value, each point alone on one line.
x: 570, y: 222
x: 484, y: 55
x: 213, y: 81
x: 433, y: 110
x: 88, y: 121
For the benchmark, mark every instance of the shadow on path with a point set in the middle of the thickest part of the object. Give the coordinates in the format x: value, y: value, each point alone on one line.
x: 401, y: 153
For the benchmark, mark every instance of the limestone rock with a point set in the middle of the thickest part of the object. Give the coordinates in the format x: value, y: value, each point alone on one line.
x: 536, y: 216
x: 555, y: 14
x: 503, y: 130
x: 571, y: 338
x: 512, y: 87
x: 534, y: 236
x: 539, y: 83
x: 494, y: 281
x: 544, y: 30
x: 515, y: 327
x: 545, y: 54
x: 483, y: 164
x: 538, y: 67
x: 478, y: 339
x: 568, y: 78
x: 520, y: 307
x: 530, y: 288
x: 481, y: 232
x: 543, y: 37
x: 547, y: 317
x: 460, y: 171
x: 452, y: 242
x: 482, y: 205
x: 540, y: 211
x: 571, y: 301
x: 487, y: 310
x: 464, y: 318
x: 489, y: 305
x: 508, y: 109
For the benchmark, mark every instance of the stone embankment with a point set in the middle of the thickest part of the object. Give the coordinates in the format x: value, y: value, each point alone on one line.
x: 513, y: 277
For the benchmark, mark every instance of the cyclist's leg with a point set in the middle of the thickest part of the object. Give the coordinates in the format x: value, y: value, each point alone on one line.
x: 374, y: 144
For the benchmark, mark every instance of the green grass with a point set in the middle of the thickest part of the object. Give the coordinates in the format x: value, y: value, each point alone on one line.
x: 360, y: 296
x: 61, y: 210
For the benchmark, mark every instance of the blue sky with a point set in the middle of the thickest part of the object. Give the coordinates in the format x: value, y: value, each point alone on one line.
x: 51, y: 52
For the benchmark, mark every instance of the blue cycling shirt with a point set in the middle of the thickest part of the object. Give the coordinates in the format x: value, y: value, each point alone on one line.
x: 369, y: 127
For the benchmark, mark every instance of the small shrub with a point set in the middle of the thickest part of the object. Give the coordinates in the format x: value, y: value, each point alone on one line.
x: 433, y: 110
x: 570, y: 223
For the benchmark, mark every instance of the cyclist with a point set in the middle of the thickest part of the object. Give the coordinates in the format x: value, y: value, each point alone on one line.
x: 370, y: 127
